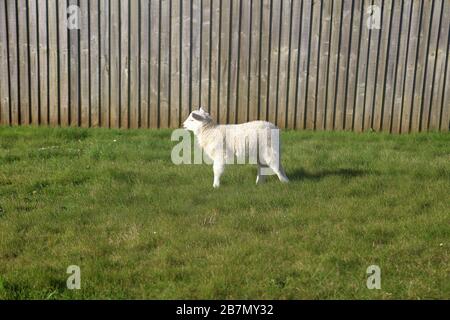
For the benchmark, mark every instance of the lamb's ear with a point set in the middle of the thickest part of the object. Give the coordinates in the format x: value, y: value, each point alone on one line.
x: 197, y: 117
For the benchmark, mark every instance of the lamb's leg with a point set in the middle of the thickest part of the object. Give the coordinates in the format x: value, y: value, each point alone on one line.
x: 218, y: 168
x: 260, y: 178
x: 279, y: 171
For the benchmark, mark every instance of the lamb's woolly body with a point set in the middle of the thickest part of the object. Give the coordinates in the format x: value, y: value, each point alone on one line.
x: 239, y: 140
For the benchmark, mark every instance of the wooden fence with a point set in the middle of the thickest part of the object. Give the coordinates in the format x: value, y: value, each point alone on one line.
x: 302, y: 64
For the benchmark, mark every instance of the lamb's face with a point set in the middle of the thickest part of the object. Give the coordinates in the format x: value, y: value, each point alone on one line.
x: 196, y: 120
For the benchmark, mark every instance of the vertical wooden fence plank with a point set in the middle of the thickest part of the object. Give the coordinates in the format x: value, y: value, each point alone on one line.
x: 205, y: 11
x: 401, y: 68
x: 74, y: 80
x: 413, y: 51
x: 33, y: 61
x: 324, y: 59
x: 335, y: 48
x: 94, y: 63
x: 175, y: 105
x: 243, y: 75
x: 134, y: 64
x: 114, y: 57
x: 234, y: 61
x: 154, y: 63
x: 64, y: 69
x: 313, y: 65
x: 387, y: 8
x: 303, y: 73
x: 372, y: 70
x: 214, y: 89
x: 284, y: 57
x: 24, y: 67
x: 440, y: 74
x: 124, y: 65
x: 164, y: 79
x: 43, y: 66
x: 445, y: 104
x: 291, y: 104
x: 224, y: 60
x: 195, y: 54
x: 430, y: 66
x: 274, y: 36
x: 144, y: 62
x: 348, y: 15
x: 352, y: 76
x: 104, y: 63
x: 361, y: 74
x: 84, y: 63
x: 53, y: 62
x: 4, y: 70
x: 421, y: 65
x: 392, y: 67
x: 255, y: 58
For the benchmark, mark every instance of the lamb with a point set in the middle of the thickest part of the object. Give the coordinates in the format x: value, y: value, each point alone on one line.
x: 222, y: 142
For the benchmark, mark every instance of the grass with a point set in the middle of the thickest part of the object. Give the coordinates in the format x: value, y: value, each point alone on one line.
x: 112, y: 202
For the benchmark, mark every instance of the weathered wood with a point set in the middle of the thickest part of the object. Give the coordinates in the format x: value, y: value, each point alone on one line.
x: 43, y: 66
x: 164, y: 79
x: 264, y: 67
x: 124, y: 64
x: 383, y: 63
x: 401, y: 68
x: 154, y: 64
x: 360, y: 86
x: 244, y: 67
x: 64, y: 69
x: 74, y: 72
x: 205, y: 11
x: 24, y: 82
x: 104, y: 63
x: 84, y: 63
x: 352, y: 75
x: 234, y: 61
x: 333, y: 71
x: 304, y: 65
x: 348, y: 15
x: 224, y: 60
x: 134, y: 64
x: 95, y: 63
x: 284, y: 48
x: 411, y: 66
x: 195, y: 44
x: 421, y: 65
x: 53, y: 62
x: 115, y: 63
x: 430, y: 66
x: 323, y: 71
x: 372, y: 69
x: 4, y: 72
x: 274, y: 40
x: 440, y: 74
x: 33, y: 61
x: 144, y: 65
x: 175, y: 64
x: 214, y: 70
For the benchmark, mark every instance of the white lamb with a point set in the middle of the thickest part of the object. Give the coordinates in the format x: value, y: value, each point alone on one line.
x: 222, y: 142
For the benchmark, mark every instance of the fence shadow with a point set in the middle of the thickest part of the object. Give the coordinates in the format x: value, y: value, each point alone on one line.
x: 301, y: 174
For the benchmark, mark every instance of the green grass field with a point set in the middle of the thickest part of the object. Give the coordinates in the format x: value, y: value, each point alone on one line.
x: 139, y: 227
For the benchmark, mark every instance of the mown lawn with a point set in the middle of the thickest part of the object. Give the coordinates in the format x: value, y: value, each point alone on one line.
x: 112, y: 202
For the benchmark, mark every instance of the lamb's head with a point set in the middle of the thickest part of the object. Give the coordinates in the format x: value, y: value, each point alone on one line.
x: 196, y: 120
